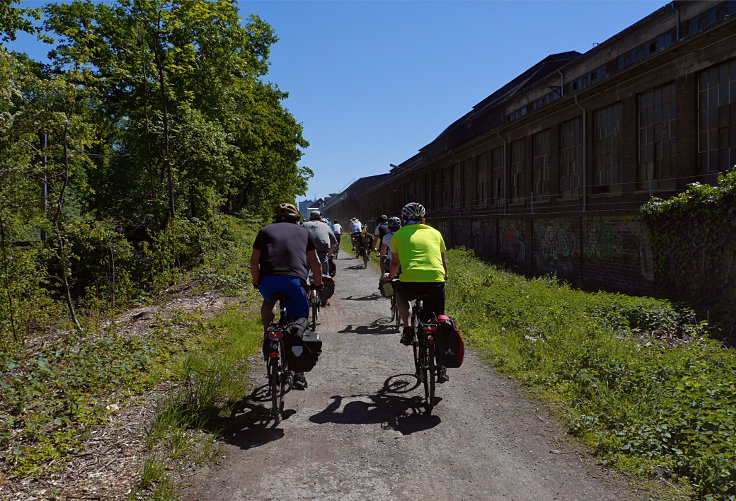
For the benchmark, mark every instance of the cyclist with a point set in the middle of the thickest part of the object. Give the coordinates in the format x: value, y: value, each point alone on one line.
x: 419, y: 250
x: 381, y: 230
x: 394, y: 224
x: 278, y: 265
x: 323, y: 238
x: 355, y: 228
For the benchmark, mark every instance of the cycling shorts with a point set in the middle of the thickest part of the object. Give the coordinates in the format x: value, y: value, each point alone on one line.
x: 432, y: 293
x: 297, y: 306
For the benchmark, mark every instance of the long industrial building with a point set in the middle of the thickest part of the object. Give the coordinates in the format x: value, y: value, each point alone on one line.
x: 548, y: 173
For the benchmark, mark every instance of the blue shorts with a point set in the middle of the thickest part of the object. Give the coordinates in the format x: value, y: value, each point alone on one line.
x: 297, y: 306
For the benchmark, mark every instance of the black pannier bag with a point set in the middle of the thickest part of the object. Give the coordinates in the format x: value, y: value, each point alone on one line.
x: 332, y: 267
x: 328, y: 290
x: 450, y: 346
x: 303, y: 347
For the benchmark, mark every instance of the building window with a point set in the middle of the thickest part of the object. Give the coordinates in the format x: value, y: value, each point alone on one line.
x: 541, y: 163
x: 457, y: 184
x: 517, y: 169
x: 717, y: 117
x: 607, y: 147
x: 497, y: 160
x: 570, y: 156
x: 481, y: 179
x: 447, y: 187
x: 469, y: 186
x: 656, y: 134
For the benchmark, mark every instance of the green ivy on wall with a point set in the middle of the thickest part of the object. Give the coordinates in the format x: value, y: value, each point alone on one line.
x: 693, y: 237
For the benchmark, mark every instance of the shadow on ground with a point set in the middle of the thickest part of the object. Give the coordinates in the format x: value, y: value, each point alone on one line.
x: 249, y: 423
x: 379, y: 326
x: 387, y: 407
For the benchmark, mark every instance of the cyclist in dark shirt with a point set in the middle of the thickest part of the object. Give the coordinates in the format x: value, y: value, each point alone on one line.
x: 381, y: 231
x: 278, y: 265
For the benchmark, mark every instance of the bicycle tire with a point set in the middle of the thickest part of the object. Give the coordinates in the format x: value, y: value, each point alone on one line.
x: 366, y: 258
x: 274, y: 383
x: 315, y: 308
x: 432, y: 378
x: 415, y: 349
x: 424, y: 362
x: 396, y: 317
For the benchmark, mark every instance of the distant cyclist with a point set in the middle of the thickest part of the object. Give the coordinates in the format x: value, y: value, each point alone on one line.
x: 337, y: 231
x: 355, y: 228
x: 278, y: 265
x: 394, y: 224
x: 419, y: 250
x: 323, y: 238
x: 381, y: 231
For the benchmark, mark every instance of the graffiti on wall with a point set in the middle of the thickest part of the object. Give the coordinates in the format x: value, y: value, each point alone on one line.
x: 556, y: 245
x: 511, y: 240
x: 603, y: 241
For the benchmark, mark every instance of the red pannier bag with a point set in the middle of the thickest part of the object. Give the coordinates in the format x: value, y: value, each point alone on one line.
x: 450, y: 346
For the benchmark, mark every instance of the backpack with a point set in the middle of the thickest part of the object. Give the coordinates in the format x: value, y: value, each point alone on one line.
x: 450, y: 346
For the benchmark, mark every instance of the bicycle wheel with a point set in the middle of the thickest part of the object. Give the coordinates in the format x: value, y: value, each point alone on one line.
x: 274, y: 383
x: 431, y: 377
x: 395, y: 313
x: 315, y: 307
x: 424, y: 368
x: 415, y: 348
x: 366, y: 258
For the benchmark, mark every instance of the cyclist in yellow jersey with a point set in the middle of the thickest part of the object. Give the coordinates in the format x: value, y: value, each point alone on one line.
x: 419, y: 250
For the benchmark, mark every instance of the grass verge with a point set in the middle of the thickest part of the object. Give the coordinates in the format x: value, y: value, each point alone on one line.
x: 636, y: 378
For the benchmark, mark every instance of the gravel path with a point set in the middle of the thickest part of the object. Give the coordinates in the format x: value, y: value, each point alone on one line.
x: 358, y: 432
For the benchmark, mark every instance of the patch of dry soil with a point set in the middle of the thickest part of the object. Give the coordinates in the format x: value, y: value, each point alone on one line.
x: 358, y: 432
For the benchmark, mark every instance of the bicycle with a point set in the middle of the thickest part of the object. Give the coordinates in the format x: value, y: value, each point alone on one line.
x: 424, y: 350
x: 395, y: 317
x: 365, y: 253
x: 314, y: 303
x: 280, y: 378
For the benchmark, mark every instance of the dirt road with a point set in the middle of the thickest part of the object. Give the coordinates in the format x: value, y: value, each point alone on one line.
x: 358, y: 431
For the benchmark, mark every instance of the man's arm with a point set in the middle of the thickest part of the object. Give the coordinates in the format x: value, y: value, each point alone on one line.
x: 444, y: 265
x: 395, y: 263
x: 316, y: 266
x: 255, y: 269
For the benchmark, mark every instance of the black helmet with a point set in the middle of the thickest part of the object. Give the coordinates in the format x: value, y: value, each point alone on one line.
x: 382, y: 219
x: 394, y: 223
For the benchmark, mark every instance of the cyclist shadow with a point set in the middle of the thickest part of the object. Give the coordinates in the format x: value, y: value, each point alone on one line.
x: 355, y: 267
x: 249, y: 423
x: 379, y: 326
x: 388, y: 407
x: 370, y: 297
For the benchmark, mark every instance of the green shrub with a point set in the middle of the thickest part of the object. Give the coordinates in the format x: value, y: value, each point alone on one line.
x: 637, y: 378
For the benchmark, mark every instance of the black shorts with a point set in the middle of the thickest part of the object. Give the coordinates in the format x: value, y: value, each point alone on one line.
x: 432, y: 293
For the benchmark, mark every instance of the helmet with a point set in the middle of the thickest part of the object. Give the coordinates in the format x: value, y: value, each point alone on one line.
x: 413, y: 211
x: 382, y: 219
x: 394, y: 223
x: 315, y: 216
x: 286, y: 211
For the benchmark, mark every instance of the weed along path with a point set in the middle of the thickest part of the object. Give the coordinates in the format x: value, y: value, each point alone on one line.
x: 358, y: 432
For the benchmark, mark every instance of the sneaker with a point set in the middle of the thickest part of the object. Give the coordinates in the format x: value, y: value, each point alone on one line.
x: 407, y: 336
x: 442, y: 375
x: 300, y: 382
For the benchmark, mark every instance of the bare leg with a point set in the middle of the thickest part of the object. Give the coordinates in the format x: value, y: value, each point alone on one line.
x: 268, y: 313
x: 404, y: 309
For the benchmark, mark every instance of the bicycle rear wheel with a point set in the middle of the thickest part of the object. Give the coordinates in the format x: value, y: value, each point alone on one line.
x: 366, y: 258
x: 275, y: 386
x: 395, y: 313
x: 431, y: 373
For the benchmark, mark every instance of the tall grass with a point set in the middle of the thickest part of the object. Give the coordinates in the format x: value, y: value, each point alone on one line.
x: 637, y: 378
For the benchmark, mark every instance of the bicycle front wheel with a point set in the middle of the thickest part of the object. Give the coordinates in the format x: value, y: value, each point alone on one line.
x: 315, y: 307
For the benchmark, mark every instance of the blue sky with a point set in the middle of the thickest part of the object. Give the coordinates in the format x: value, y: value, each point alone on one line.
x: 374, y: 81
